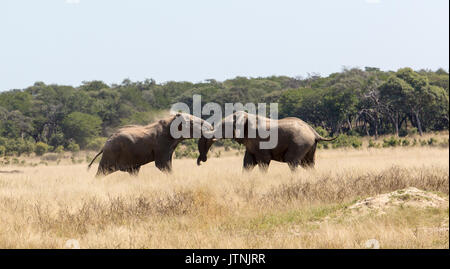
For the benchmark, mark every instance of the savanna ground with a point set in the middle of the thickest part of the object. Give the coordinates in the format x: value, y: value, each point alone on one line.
x: 217, y: 206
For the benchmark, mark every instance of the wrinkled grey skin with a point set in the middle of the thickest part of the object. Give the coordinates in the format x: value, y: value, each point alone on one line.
x: 297, y: 142
x: 133, y: 146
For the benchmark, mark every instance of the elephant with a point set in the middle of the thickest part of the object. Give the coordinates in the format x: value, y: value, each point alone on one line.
x: 133, y: 146
x: 296, y: 145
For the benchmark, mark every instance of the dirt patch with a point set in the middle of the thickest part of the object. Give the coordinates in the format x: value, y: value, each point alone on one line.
x: 409, y: 197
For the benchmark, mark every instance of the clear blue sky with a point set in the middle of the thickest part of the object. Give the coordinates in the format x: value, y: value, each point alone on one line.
x: 68, y: 41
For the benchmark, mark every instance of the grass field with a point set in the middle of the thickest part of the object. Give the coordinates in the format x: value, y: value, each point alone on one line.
x: 217, y: 206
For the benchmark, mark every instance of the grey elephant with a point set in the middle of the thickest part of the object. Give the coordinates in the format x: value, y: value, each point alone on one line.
x: 297, y: 141
x: 133, y: 146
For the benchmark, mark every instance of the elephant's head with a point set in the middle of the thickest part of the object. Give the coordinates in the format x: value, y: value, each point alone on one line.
x: 204, y: 143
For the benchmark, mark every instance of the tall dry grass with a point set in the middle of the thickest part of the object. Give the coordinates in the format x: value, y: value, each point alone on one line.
x: 217, y: 206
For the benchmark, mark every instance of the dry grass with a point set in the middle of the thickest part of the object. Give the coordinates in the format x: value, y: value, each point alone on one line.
x: 217, y: 206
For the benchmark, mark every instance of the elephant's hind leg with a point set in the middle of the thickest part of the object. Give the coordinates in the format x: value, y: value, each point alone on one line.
x: 105, y: 168
x: 294, y: 156
x: 309, y: 160
x: 164, y: 165
x: 104, y: 171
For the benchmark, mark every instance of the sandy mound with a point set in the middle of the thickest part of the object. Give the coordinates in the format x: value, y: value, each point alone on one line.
x: 409, y: 197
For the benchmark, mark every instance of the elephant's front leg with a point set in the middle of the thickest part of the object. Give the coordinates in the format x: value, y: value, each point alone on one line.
x: 164, y: 162
x: 134, y: 171
x: 263, y: 159
x: 249, y: 161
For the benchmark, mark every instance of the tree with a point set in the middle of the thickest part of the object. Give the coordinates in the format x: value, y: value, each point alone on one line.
x: 95, y: 85
x: 81, y: 127
x: 392, y: 99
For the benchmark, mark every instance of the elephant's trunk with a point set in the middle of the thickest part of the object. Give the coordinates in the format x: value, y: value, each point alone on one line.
x: 203, y: 150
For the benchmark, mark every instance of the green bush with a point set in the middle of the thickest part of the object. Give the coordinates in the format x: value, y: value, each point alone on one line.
x: 345, y: 141
x: 444, y: 143
x: 41, y: 148
x: 353, y: 132
x: 321, y: 131
x: 96, y: 143
x: 16, y: 146
x: 412, y: 131
x: 405, y: 142
x: 50, y: 157
x: 185, y: 152
x: 59, y: 149
x: 56, y: 140
x: 432, y: 141
x: 81, y: 127
x: 227, y: 144
x: 73, y: 147
x: 2, y: 150
x: 372, y: 144
x: 402, y: 132
x: 391, y: 142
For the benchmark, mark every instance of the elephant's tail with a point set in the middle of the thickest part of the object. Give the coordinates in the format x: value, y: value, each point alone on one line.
x: 320, y: 138
x: 98, y: 154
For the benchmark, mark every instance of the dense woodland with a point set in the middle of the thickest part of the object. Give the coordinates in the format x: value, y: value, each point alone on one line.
x: 353, y: 101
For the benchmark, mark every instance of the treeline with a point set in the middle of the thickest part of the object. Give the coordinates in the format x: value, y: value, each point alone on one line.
x: 354, y: 102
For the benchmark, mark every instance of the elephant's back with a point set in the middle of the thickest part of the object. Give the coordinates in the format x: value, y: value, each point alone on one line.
x: 296, y: 130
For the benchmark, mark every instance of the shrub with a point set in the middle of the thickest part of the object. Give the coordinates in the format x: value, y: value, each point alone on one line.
x: 81, y: 127
x: 391, y: 142
x: 40, y: 148
x: 443, y: 144
x: 412, y: 131
x: 16, y: 146
x: 59, y: 149
x: 227, y: 144
x: 321, y: 131
x: 344, y: 141
x: 185, y: 152
x: 2, y: 150
x: 402, y: 132
x: 356, y: 143
x: 96, y: 143
x: 432, y: 141
x: 73, y: 147
x: 56, y: 140
x: 353, y: 132
x: 372, y: 144
x: 405, y: 142
x: 50, y: 157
